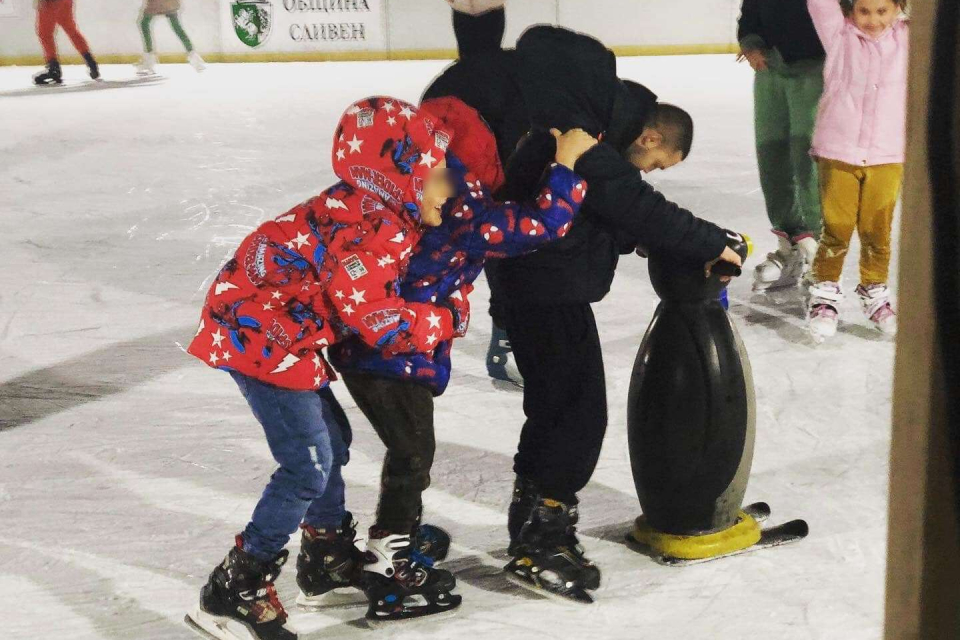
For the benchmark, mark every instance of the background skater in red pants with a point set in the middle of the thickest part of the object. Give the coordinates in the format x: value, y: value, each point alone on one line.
x: 51, y: 13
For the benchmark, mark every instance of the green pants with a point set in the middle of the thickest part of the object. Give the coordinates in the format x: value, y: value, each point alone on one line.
x: 174, y: 23
x: 785, y: 111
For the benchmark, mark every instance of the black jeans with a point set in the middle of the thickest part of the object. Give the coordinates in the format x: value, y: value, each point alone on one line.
x: 401, y: 412
x: 557, y: 350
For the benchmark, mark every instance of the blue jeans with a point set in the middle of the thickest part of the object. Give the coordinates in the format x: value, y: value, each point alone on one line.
x: 309, y: 437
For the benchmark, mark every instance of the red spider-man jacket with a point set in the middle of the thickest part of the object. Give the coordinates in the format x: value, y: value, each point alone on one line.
x: 330, y: 268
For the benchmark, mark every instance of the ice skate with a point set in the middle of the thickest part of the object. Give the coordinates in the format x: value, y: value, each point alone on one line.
x: 401, y: 583
x: 524, y: 501
x: 548, y: 557
x: 239, y: 601
x: 196, y: 61
x: 52, y: 76
x: 147, y: 65
x: 92, y: 67
x: 823, y: 310
x: 500, y: 365
x: 329, y: 566
x: 782, y: 269
x: 875, y: 302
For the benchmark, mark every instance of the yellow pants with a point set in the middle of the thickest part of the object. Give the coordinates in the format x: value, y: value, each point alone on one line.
x: 861, y: 198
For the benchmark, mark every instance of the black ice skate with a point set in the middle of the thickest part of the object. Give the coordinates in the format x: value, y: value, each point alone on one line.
x: 92, y: 66
x: 52, y: 76
x: 329, y: 566
x: 525, y: 499
x: 548, y: 558
x: 239, y: 601
x: 401, y: 583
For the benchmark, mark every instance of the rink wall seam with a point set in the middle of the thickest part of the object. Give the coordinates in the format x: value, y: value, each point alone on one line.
x: 357, y: 56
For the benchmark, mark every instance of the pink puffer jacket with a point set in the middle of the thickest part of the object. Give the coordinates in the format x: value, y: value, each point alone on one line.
x: 862, y: 116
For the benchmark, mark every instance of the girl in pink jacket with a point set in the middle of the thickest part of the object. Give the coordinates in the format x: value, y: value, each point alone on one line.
x: 859, y: 146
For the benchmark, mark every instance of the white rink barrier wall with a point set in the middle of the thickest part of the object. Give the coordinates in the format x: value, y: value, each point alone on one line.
x: 289, y: 30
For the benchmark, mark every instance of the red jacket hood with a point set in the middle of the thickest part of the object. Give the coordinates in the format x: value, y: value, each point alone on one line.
x: 473, y: 141
x: 386, y: 147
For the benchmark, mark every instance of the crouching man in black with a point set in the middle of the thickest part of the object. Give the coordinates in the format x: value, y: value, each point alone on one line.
x: 558, y: 78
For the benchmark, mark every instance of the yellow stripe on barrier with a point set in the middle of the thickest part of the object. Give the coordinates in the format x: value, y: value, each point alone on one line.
x: 357, y: 56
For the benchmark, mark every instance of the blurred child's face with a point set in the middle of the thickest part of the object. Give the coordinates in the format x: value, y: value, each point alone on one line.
x: 873, y: 17
x: 649, y: 152
x: 437, y: 189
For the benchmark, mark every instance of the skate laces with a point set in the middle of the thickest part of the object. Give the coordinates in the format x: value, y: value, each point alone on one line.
x: 823, y: 310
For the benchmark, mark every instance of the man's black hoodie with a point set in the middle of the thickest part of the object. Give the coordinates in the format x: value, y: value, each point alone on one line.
x: 558, y: 78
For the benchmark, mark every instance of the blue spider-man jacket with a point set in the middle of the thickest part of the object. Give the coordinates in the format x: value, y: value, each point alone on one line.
x: 449, y: 258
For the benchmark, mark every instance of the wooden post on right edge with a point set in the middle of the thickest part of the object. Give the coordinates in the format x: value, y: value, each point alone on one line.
x: 923, y: 568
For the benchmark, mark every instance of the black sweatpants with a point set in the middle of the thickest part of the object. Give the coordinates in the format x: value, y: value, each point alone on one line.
x: 401, y: 413
x: 557, y: 350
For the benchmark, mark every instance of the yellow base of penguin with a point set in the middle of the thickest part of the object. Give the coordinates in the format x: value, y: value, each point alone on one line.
x: 742, y: 535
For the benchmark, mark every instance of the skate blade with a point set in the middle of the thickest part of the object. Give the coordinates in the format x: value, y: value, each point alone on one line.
x: 579, y: 597
x: 341, y: 598
x: 218, y: 627
x: 415, y: 608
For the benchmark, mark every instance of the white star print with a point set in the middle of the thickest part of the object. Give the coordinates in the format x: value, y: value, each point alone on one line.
x: 218, y: 338
x: 268, y: 307
x: 316, y: 381
x: 388, y: 107
x: 354, y: 144
x: 391, y: 121
x: 338, y: 295
x: 301, y: 239
x: 431, y: 339
x: 214, y: 358
x: 357, y: 297
x: 276, y: 295
x: 224, y: 286
x: 397, y: 238
x: 406, y: 112
x: 384, y: 261
x: 406, y: 252
x: 428, y: 159
x: 434, y: 320
x: 348, y: 309
x: 226, y: 356
x: 341, y: 154
x: 317, y: 362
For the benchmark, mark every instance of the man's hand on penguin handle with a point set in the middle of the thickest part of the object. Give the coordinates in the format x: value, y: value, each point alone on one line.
x: 728, y: 255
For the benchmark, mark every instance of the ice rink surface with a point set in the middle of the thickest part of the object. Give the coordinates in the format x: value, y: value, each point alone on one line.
x: 126, y: 466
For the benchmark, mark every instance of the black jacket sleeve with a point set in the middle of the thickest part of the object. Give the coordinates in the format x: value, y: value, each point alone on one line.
x: 619, y: 196
x: 750, y: 25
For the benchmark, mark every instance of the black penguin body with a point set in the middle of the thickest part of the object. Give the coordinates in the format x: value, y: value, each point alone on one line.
x: 691, y: 408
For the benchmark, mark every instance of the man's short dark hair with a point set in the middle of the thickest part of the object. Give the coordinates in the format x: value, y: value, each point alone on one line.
x: 676, y: 127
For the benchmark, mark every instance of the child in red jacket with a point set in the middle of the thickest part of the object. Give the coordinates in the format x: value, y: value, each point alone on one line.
x: 50, y: 14
x: 326, y: 270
